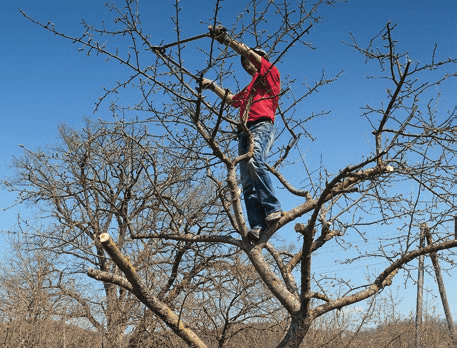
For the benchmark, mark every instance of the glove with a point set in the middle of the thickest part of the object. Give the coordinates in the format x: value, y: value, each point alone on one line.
x: 220, y: 34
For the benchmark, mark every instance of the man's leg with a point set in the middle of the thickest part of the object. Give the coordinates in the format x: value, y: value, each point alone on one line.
x: 263, y: 135
x: 254, y: 208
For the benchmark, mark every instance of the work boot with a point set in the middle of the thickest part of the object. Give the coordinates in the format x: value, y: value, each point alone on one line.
x: 272, y: 218
x: 254, y: 234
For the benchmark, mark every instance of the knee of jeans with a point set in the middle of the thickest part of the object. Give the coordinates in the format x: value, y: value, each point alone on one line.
x: 252, y: 168
x: 246, y: 184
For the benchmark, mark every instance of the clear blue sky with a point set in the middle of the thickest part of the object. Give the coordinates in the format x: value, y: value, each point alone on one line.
x: 45, y: 81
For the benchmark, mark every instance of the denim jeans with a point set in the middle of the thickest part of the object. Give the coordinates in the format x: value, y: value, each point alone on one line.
x: 258, y: 191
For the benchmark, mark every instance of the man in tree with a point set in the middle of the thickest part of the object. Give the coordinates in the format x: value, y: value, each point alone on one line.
x: 257, y: 103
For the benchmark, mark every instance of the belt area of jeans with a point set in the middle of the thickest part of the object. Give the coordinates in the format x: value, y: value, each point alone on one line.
x: 253, y: 123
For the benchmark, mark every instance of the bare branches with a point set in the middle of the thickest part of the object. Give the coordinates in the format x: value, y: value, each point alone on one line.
x: 385, y: 278
x: 153, y: 207
x: 140, y: 290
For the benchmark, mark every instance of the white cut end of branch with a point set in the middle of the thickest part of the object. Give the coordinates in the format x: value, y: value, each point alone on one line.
x: 104, y: 237
x: 390, y: 168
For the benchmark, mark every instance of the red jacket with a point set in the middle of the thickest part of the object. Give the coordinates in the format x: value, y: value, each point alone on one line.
x: 266, y: 92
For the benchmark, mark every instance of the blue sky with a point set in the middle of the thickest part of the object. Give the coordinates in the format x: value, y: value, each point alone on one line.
x: 45, y: 81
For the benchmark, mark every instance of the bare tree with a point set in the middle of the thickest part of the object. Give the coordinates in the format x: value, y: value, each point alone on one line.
x: 414, y: 144
x: 27, y: 302
x: 115, y: 181
x: 34, y: 312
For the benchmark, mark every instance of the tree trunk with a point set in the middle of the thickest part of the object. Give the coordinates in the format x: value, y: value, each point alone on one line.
x: 298, y: 329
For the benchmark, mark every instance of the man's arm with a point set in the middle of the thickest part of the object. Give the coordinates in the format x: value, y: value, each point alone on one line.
x: 220, y: 34
x: 245, y: 51
x: 219, y: 91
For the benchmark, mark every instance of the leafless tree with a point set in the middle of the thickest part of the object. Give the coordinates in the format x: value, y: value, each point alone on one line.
x: 154, y: 197
x: 27, y: 302
x: 34, y: 312
x: 115, y: 180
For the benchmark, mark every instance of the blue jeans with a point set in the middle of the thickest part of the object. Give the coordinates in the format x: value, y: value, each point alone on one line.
x: 258, y: 191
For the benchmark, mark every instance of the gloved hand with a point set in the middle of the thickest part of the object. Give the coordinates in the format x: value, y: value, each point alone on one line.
x: 220, y: 34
